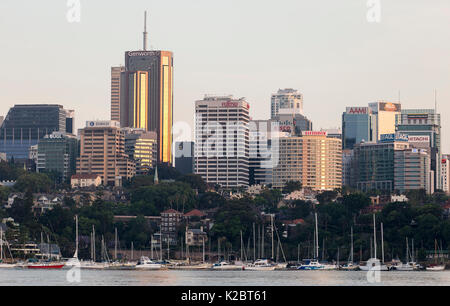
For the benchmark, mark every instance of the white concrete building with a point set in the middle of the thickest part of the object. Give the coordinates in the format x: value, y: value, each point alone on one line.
x: 445, y: 173
x: 222, y: 141
x: 286, y: 101
x: 85, y: 180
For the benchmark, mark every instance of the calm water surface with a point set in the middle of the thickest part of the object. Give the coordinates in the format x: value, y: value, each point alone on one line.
x: 16, y: 277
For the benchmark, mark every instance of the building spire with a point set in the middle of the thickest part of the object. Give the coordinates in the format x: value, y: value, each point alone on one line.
x: 145, y: 31
x: 156, y: 179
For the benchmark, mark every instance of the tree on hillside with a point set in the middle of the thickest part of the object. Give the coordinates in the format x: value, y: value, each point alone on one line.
x: 33, y: 182
x: 292, y: 186
x: 211, y: 200
x: 195, y: 181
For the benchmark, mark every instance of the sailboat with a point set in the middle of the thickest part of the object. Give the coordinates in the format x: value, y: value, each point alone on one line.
x: 374, y: 260
x: 350, y: 265
x: 261, y: 264
x: 409, y: 265
x: 436, y: 266
x: 2, y: 242
x: 74, y: 261
x: 93, y: 264
x: 45, y: 265
x: 313, y: 264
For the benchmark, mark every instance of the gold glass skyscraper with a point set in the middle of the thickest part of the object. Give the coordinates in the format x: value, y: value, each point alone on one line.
x: 146, y: 95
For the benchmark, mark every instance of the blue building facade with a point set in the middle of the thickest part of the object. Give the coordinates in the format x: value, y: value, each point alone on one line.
x: 357, y: 123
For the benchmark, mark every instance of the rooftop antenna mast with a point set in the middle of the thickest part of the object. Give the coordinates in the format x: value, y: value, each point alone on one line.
x: 435, y: 101
x: 145, y: 31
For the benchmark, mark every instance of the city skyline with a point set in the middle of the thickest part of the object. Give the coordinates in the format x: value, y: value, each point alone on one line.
x: 358, y: 72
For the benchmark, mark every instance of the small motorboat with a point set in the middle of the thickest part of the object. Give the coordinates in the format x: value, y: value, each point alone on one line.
x: 146, y: 263
x: 350, y: 266
x: 436, y: 268
x: 311, y: 265
x: 261, y: 265
x: 223, y: 265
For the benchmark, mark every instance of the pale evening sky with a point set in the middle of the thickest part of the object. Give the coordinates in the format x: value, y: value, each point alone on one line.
x: 249, y: 48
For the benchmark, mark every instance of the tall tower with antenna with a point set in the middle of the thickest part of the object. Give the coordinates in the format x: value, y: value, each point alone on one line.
x: 145, y: 32
x: 146, y: 94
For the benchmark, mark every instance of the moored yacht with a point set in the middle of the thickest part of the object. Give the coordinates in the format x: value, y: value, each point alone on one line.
x: 260, y: 265
x: 223, y: 265
x: 311, y: 265
x: 146, y: 263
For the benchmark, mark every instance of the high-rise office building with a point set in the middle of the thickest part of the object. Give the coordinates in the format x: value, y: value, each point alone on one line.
x: 287, y: 102
x: 347, y: 167
x: 373, y: 163
x: 314, y: 159
x: 357, y: 126
x: 184, y: 157
x: 222, y: 140
x: 146, y: 95
x: 58, y: 153
x: 70, y: 122
x: 423, y: 126
x: 294, y: 124
x: 141, y: 147
x: 25, y: 125
x: 290, y: 163
x: 384, y: 114
x: 102, y: 152
x: 412, y: 170
x: 1, y: 120
x: 263, y: 152
x: 391, y: 164
x: 445, y: 173
x: 115, y: 92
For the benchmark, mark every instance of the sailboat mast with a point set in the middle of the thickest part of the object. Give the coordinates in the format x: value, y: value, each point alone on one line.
x: 48, y: 249
x: 271, y: 223
x: 115, y: 243
x: 92, y: 249
x: 262, y: 240
x: 382, y: 244
x: 242, y: 248
x: 93, y: 240
x: 317, y: 239
x: 374, y: 237
x: 407, y: 250
x: 76, y: 237
x: 351, y: 254
x: 203, y: 249
x: 160, y: 246
x: 151, y: 246
x: 254, y: 243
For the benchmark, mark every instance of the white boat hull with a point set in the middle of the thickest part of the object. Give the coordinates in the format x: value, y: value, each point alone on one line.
x: 436, y: 268
x: 7, y: 266
x: 250, y: 268
x: 380, y: 268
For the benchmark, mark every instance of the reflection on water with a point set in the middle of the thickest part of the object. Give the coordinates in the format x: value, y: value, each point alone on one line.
x: 221, y: 278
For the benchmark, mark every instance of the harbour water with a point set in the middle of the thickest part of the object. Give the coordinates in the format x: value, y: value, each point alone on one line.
x: 21, y: 277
